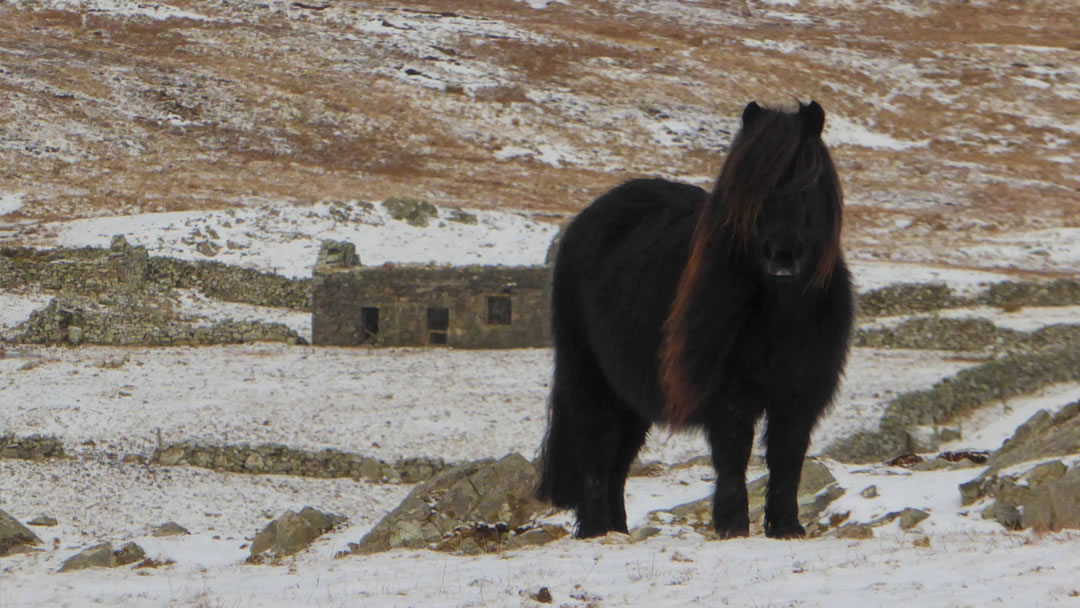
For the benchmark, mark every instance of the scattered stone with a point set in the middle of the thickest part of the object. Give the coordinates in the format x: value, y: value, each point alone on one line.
x: 129, y: 554
x: 855, y: 531
x: 44, y: 521
x: 1005, y: 513
x: 98, y: 556
x: 922, y: 541
x: 293, y: 532
x: 640, y: 534
x: 208, y: 248
x: 152, y: 563
x: 461, y: 216
x: 15, y: 537
x: 647, y: 469
x: 542, y: 595
x: 530, y: 537
x: 470, y: 508
x: 33, y: 447
x: 170, y: 528
x: 869, y: 492
x: 909, y: 518
x: 412, y: 211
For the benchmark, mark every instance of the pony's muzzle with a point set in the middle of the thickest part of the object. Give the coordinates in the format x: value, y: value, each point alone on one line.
x: 783, y: 259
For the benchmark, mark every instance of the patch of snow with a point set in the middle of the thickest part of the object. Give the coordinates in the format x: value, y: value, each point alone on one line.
x: 1027, y: 319
x: 988, y: 427
x: 10, y: 202
x: 129, y: 8
x: 841, y: 131
x: 871, y: 275
x: 285, y: 239
x: 192, y: 305
x: 540, y: 4
x: 16, y: 306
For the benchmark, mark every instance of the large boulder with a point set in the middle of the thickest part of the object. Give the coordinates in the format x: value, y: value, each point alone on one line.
x: 103, y: 556
x: 15, y: 537
x: 471, y: 508
x: 1044, y: 436
x: 1055, y: 504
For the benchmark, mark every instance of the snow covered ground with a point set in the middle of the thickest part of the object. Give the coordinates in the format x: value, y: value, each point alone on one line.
x: 106, y: 403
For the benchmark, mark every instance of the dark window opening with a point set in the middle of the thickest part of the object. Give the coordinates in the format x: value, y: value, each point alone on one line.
x: 369, y: 325
x: 438, y: 323
x: 498, y: 310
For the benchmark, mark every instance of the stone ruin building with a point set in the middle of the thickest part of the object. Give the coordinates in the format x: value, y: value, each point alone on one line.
x: 425, y: 305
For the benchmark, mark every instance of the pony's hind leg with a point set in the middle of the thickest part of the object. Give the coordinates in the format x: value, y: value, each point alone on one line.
x: 731, y: 440
x: 632, y: 437
x: 586, y: 452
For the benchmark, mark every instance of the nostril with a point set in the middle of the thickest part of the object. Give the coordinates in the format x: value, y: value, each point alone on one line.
x: 767, y: 250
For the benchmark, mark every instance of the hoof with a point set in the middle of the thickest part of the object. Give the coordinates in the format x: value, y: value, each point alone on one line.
x: 733, y: 532
x: 784, y: 531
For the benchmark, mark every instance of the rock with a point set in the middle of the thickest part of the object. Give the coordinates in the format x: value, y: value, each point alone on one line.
x: 129, y: 554
x: 542, y: 595
x: 1005, y: 513
x: 855, y: 531
x: 532, y: 537
x: 869, y: 492
x: 640, y: 534
x: 33, y: 447
x: 15, y: 537
x: 1055, y: 504
x: 337, y: 254
x: 208, y: 248
x: 43, y: 520
x: 415, y: 212
x: 170, y: 528
x: 293, y: 532
x: 1044, y: 435
x: 98, y: 556
x: 909, y: 518
x: 461, y: 216
x: 471, y: 507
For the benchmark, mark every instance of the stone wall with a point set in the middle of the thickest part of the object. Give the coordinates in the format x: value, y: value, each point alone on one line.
x: 124, y: 269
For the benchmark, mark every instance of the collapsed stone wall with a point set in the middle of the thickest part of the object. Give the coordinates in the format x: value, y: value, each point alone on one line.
x: 137, y: 319
x: 122, y: 268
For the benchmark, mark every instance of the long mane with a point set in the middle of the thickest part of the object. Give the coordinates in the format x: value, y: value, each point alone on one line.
x: 770, y: 150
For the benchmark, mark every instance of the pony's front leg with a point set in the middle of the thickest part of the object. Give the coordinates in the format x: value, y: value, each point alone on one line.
x: 786, y: 440
x: 730, y: 441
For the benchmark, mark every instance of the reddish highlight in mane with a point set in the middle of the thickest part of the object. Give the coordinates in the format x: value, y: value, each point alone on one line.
x: 760, y: 157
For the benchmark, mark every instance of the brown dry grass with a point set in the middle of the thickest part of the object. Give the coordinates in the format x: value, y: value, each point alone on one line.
x: 301, y: 105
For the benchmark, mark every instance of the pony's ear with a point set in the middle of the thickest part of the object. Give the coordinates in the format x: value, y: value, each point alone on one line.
x: 813, y: 119
x: 749, y: 113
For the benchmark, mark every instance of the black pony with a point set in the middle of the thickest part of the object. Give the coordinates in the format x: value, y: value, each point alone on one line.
x: 674, y: 306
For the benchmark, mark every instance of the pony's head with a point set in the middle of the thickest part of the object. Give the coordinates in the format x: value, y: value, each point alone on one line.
x: 779, y: 194
x: 778, y: 200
